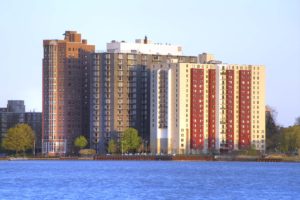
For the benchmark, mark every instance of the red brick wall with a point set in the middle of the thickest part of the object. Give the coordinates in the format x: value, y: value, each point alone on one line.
x: 230, y: 109
x: 211, y: 109
x: 197, y: 109
x: 244, y: 109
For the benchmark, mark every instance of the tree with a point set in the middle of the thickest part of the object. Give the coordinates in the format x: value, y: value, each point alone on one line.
x: 290, y: 139
x: 297, y: 121
x: 272, y: 130
x: 112, y: 146
x: 19, y: 138
x: 80, y: 142
x: 130, y: 140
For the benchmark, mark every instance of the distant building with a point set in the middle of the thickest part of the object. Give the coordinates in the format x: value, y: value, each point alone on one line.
x: 16, y: 106
x: 207, y: 107
x: 206, y: 58
x: 15, y: 114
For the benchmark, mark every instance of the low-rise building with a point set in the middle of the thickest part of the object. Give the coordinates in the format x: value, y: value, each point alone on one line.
x: 15, y: 114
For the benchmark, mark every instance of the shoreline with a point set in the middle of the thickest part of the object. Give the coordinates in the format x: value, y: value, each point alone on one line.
x: 158, y: 158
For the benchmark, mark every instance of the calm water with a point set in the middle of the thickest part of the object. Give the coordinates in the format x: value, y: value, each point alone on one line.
x: 148, y: 180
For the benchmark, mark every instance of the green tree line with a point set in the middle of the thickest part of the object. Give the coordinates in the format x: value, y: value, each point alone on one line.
x: 281, y: 139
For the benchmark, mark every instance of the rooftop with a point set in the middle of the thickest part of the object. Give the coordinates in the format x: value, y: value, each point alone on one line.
x: 143, y: 46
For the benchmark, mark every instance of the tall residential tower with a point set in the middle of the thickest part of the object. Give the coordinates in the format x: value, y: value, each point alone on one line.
x: 199, y: 108
x: 120, y: 87
x: 66, y: 95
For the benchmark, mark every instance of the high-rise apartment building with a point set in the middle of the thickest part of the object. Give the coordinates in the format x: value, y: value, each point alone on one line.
x: 207, y: 107
x: 66, y: 67
x: 120, y: 87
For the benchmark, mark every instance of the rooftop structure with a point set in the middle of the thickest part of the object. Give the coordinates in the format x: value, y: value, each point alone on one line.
x: 16, y: 106
x: 143, y: 47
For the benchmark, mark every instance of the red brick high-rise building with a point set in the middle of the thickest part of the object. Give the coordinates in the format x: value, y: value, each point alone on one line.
x: 66, y: 96
x: 211, y: 107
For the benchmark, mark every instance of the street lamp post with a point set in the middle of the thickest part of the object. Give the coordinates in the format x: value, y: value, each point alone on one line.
x: 34, y: 147
x: 146, y: 145
x: 121, y: 146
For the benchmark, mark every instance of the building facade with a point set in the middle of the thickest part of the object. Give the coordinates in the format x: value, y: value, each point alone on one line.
x: 120, y: 88
x: 209, y: 107
x: 66, y: 67
x: 34, y: 120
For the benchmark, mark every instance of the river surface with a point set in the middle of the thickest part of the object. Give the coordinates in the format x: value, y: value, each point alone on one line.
x: 148, y: 180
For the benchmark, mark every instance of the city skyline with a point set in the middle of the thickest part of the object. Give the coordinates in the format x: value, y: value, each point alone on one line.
x: 186, y: 104
x: 235, y: 32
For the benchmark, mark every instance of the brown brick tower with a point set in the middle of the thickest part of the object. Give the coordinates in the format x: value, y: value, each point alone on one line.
x: 66, y: 66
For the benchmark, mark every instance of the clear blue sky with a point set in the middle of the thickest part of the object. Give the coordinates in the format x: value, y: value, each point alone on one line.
x: 240, y: 32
